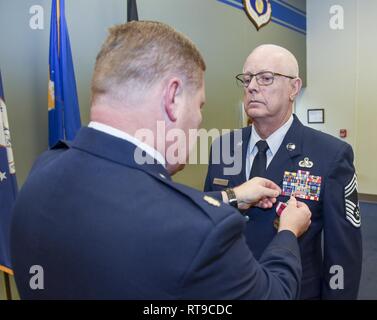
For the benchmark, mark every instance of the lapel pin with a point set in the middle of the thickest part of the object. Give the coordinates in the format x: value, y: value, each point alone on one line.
x: 291, y: 146
x: 306, y: 163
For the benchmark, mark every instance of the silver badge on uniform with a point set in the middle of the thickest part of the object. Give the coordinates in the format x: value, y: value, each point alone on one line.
x: 306, y: 163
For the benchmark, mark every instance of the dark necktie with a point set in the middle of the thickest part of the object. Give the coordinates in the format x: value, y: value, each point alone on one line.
x: 260, y: 161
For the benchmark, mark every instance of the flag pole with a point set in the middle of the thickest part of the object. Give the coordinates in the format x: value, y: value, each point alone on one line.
x: 132, y: 14
x: 8, y: 291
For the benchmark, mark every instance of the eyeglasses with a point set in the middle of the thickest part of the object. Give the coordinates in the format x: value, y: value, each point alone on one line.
x: 264, y: 78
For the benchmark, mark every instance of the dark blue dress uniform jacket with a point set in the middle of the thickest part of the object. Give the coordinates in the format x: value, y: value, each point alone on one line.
x: 104, y: 227
x: 333, y: 161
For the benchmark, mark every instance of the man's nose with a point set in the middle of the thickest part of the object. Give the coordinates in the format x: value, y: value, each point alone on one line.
x: 253, y: 85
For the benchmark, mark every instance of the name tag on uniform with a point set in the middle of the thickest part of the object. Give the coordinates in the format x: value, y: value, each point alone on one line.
x: 302, y: 185
x: 221, y: 182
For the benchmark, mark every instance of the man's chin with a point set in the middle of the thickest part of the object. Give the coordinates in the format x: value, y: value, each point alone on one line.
x: 255, y: 109
x: 255, y: 113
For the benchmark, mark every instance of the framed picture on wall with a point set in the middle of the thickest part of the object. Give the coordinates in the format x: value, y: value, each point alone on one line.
x: 316, y: 115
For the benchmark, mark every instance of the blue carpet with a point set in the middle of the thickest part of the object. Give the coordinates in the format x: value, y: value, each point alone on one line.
x: 368, y: 284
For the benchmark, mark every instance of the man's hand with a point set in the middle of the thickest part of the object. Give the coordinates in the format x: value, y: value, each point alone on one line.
x: 256, y: 192
x: 295, y: 217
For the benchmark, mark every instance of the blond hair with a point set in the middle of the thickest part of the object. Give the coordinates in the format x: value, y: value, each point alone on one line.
x: 137, y: 54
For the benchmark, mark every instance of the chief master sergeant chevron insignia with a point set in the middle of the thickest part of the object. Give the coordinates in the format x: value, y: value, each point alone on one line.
x: 352, y: 203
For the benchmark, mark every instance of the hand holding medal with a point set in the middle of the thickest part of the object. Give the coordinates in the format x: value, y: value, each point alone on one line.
x: 294, y: 216
x: 279, y: 210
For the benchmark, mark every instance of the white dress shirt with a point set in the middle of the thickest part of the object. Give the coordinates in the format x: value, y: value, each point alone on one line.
x: 274, y: 141
x: 125, y: 136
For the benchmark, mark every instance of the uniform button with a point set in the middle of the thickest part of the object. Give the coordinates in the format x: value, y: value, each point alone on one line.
x: 247, y: 218
x: 162, y: 176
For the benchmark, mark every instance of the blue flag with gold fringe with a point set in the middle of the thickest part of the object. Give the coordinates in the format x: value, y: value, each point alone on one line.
x: 8, y: 185
x: 63, y: 106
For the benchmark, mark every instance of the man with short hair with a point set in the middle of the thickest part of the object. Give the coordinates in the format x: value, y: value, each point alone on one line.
x: 102, y: 216
x: 306, y: 163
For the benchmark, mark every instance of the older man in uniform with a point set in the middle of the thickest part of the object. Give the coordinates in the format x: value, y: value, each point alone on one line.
x: 102, y: 216
x: 306, y: 163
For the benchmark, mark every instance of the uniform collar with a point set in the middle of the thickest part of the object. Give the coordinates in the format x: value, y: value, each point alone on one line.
x: 294, y: 137
x: 125, y: 136
x: 287, y: 156
x: 106, y: 146
x: 274, y: 141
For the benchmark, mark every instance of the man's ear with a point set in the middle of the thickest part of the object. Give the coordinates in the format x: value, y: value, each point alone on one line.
x: 296, y: 88
x: 172, y: 92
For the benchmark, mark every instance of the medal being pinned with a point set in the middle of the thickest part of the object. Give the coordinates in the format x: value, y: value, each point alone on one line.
x: 279, y: 210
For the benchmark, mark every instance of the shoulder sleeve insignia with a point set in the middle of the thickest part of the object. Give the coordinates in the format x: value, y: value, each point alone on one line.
x: 352, y: 203
x: 212, y: 201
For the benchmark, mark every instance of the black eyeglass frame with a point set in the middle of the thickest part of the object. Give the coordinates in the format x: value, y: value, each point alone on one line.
x: 252, y: 75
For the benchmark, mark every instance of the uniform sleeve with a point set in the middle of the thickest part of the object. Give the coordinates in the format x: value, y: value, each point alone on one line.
x: 342, y: 234
x: 224, y: 267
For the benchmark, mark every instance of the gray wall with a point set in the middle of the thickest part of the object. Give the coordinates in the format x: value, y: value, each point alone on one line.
x: 24, y: 66
x: 224, y: 35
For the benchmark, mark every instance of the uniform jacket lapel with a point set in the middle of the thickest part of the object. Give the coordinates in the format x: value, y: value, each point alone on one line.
x: 284, y: 159
x: 241, y: 146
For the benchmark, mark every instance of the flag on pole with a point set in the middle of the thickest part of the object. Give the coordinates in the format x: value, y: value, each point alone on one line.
x: 63, y: 106
x: 8, y: 185
x: 132, y: 11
